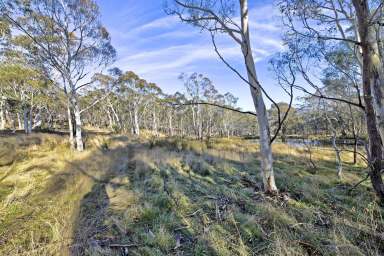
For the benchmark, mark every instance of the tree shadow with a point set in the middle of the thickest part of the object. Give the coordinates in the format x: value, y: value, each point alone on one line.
x: 90, y: 220
x: 153, y: 200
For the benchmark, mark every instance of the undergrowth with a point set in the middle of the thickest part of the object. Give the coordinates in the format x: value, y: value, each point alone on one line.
x: 180, y: 197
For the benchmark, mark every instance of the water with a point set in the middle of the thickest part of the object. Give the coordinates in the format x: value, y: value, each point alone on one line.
x: 304, y: 142
x: 321, y: 142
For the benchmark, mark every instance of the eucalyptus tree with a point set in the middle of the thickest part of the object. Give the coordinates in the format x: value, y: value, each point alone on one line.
x: 314, y: 29
x: 136, y: 93
x: 23, y: 84
x: 228, y: 121
x: 69, y: 40
x: 220, y: 17
x: 154, y: 102
x: 194, y: 85
x: 183, y: 118
x: 210, y: 94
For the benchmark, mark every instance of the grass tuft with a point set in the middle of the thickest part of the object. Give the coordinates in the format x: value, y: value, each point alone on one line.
x: 173, y: 196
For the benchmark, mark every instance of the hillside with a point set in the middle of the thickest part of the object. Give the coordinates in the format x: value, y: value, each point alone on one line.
x: 127, y: 196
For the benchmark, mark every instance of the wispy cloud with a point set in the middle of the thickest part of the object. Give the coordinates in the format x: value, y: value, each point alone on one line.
x: 188, y: 46
x: 174, y: 57
x: 274, y: 42
x: 159, y: 47
x: 160, y: 23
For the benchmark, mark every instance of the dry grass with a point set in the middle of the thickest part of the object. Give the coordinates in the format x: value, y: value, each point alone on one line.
x: 180, y: 197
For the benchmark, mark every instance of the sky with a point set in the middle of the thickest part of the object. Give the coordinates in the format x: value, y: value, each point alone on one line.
x: 159, y: 47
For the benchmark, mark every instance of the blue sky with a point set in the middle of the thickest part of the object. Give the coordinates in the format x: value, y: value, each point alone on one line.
x: 159, y: 47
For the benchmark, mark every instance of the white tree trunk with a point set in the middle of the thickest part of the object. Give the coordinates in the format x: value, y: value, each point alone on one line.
x: 117, y: 119
x: 199, y: 123
x: 30, y: 120
x: 181, y: 127
x: 110, y: 119
x: 194, y: 120
x: 26, y: 119
x: 369, y: 79
x: 78, y: 125
x: 264, y: 130
x: 37, y: 121
x: 20, y: 124
x: 339, y: 163
x: 70, y: 125
x: 136, y: 126
x: 338, y: 157
x: 170, y: 123
x: 154, y: 122
x: 377, y: 80
x: 2, y: 114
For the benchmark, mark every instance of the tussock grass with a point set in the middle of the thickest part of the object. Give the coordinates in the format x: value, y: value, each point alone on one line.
x: 171, y: 196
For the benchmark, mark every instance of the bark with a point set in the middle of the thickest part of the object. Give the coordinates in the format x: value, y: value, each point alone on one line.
x: 78, y: 125
x: 170, y: 125
x: 194, y: 120
x: 370, y: 81
x: 20, y: 124
x: 372, y: 57
x: 26, y: 120
x: 117, y: 119
x: 264, y: 130
x: 225, y: 128
x: 2, y: 114
x: 70, y: 125
x: 339, y: 163
x: 37, y: 121
x: 181, y: 126
x: 210, y: 126
x: 30, y: 120
x: 199, y: 123
x: 136, y: 126
x: 13, y: 123
x: 283, y: 134
x: 355, y: 137
x: 110, y: 119
x: 30, y: 114
x: 154, y: 122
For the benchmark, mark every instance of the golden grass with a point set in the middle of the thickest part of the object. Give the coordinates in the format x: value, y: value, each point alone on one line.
x: 177, y: 196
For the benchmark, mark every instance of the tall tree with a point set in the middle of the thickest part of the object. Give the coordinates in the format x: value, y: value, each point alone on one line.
x: 316, y: 28
x: 219, y: 17
x: 69, y: 40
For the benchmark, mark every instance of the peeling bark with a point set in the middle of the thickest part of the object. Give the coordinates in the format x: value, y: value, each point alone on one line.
x: 371, y: 80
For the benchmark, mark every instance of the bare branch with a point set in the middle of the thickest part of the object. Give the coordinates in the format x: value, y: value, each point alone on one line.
x: 230, y: 31
x: 215, y: 105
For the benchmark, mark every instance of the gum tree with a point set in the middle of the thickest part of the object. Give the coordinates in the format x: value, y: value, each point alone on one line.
x: 317, y: 28
x: 220, y: 17
x: 69, y: 40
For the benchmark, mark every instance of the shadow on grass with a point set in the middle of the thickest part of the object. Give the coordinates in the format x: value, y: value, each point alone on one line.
x: 157, y: 201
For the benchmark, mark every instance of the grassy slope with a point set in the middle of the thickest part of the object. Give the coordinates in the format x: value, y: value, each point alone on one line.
x: 173, y: 197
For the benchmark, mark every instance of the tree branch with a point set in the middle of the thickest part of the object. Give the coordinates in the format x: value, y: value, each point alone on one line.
x: 215, y: 105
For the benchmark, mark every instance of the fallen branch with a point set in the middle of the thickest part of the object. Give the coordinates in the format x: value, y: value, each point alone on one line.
x: 358, y: 183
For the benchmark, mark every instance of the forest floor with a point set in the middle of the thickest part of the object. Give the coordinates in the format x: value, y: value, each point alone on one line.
x: 163, y: 196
